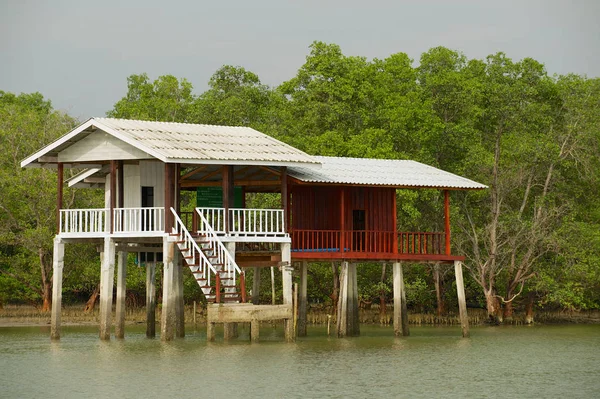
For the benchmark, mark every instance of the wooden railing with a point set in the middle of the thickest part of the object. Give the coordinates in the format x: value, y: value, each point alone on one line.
x: 421, y: 243
x: 369, y: 241
x: 83, y: 221
x: 245, y: 222
x: 316, y: 240
x: 139, y: 220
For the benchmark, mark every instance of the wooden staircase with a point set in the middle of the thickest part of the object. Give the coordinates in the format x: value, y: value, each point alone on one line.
x: 211, y: 264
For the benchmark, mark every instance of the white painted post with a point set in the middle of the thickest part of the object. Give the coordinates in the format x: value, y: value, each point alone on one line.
x: 179, y: 304
x: 400, y: 309
x: 106, y: 288
x: 58, y: 261
x: 348, y: 322
x: 230, y: 329
x: 286, y: 276
x: 121, y: 294
x: 462, y: 303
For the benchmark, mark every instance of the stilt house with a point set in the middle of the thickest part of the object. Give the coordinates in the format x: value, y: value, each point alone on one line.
x: 332, y: 208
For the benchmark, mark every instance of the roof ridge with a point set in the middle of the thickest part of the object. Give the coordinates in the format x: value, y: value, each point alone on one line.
x: 170, y: 123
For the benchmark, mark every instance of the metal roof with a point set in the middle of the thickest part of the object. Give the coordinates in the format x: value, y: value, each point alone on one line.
x: 380, y: 172
x: 188, y: 143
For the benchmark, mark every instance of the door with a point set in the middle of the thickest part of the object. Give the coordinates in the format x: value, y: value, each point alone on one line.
x: 147, y: 218
x: 359, y: 224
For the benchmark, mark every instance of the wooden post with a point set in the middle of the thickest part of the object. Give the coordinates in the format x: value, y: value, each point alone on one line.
x: 218, y: 288
x: 447, y: 220
x: 58, y: 261
x: 462, y: 303
x: 168, y: 305
x: 284, y: 196
x: 342, y: 221
x: 121, y: 293
x: 347, y: 322
x: 256, y: 285
x: 400, y: 309
x: 151, y: 299
x: 106, y: 288
x: 59, y: 195
x: 395, y: 236
x: 295, y: 310
x: 121, y: 183
x: 178, y: 292
x: 228, y: 193
x: 168, y: 198
x: 302, y: 299
x: 113, y: 194
x: 286, y: 278
x: 243, y: 286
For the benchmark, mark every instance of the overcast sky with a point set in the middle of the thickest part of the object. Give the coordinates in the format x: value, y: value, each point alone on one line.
x: 78, y: 53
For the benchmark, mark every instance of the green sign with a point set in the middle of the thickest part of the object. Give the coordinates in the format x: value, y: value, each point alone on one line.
x: 212, y: 197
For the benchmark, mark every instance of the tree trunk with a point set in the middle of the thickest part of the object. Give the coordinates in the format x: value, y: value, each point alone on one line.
x: 47, y: 296
x: 90, y: 305
x: 382, y: 305
x: 507, y: 311
x: 529, y: 308
x: 335, y: 294
x: 439, y: 291
x: 493, y: 307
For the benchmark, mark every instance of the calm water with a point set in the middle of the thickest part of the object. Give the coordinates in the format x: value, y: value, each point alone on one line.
x: 504, y: 362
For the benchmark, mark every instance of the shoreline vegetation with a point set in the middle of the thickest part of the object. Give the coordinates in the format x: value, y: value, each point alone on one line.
x: 74, y: 315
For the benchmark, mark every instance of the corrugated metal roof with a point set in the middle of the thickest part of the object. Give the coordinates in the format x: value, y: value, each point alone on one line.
x: 197, y: 143
x: 380, y: 172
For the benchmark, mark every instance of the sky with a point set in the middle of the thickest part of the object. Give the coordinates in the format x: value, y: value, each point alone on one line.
x: 79, y: 53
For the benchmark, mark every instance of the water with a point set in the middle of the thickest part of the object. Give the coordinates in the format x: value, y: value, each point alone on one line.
x: 506, y: 362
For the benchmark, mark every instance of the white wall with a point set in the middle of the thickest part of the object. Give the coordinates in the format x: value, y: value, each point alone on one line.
x: 152, y: 174
x: 100, y: 146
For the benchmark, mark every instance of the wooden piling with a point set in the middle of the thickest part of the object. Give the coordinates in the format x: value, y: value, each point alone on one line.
x: 151, y: 300
x: 302, y: 300
x: 121, y: 294
x: 106, y: 288
x: 58, y: 259
x: 462, y: 303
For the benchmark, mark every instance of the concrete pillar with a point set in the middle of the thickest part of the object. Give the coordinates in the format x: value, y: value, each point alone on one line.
x: 347, y: 321
x: 107, y: 277
x: 302, y: 299
x: 462, y: 303
x: 256, y: 285
x: 210, y: 331
x: 167, y: 322
x: 58, y: 261
x: 230, y: 330
x: 151, y: 299
x: 121, y: 294
x: 286, y: 278
x: 179, y: 303
x: 400, y: 309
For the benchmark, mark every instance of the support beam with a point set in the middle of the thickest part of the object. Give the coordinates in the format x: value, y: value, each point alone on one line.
x: 230, y: 330
x: 59, y: 195
x: 107, y: 277
x: 447, y: 220
x: 286, y: 278
x: 121, y: 294
x: 284, y: 196
x: 179, y: 308
x: 58, y: 261
x: 302, y: 299
x: 167, y: 328
x: 151, y: 299
x: 462, y: 303
x: 347, y: 321
x: 121, y: 185
x: 256, y: 285
x: 254, y: 330
x: 400, y: 309
x: 113, y: 194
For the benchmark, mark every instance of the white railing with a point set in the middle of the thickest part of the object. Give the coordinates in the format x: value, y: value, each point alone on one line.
x: 195, y: 256
x: 245, y: 222
x: 215, y: 218
x: 84, y: 221
x: 257, y: 222
x: 220, y: 253
x: 139, y: 220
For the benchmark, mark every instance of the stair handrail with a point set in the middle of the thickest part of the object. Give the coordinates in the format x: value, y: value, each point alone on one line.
x: 179, y: 228
x: 223, y: 255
